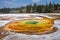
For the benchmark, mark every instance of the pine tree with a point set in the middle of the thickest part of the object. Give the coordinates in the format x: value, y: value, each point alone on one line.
x: 28, y: 8
x: 47, y: 9
x: 39, y: 8
x: 5, y: 10
x: 50, y: 4
x: 34, y: 7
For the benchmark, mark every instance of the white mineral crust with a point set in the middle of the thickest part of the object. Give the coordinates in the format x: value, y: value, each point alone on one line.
x: 19, y: 36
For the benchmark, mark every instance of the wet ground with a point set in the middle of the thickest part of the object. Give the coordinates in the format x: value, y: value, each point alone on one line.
x: 6, y: 18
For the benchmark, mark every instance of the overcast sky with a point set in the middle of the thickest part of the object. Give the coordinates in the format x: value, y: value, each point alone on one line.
x: 19, y: 3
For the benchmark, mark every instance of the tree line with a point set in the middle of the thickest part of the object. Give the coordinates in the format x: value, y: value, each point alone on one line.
x: 48, y: 8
